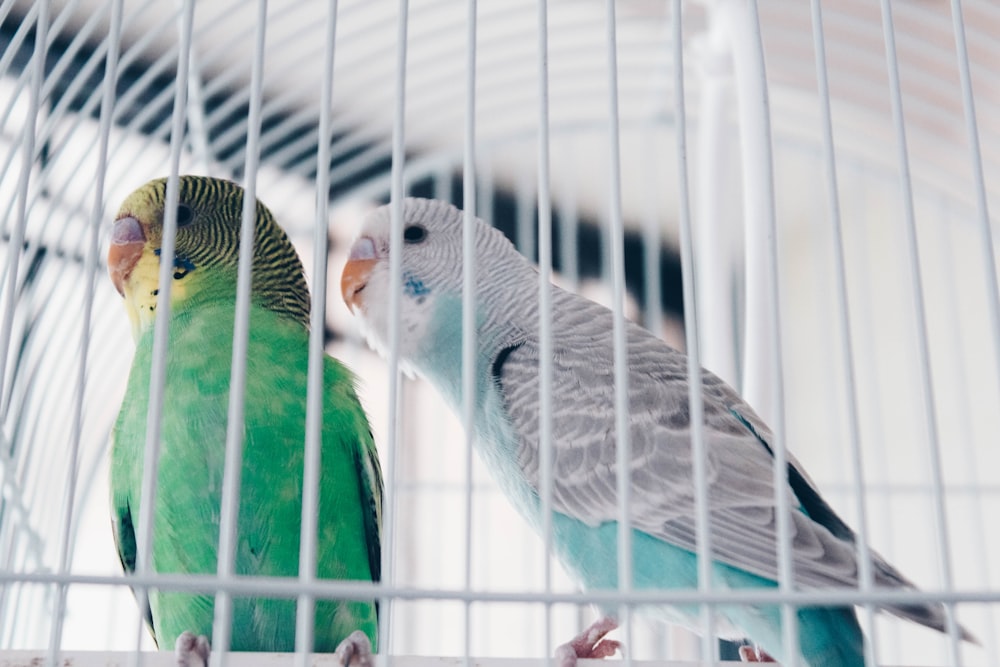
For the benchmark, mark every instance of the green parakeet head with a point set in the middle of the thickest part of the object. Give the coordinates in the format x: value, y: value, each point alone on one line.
x: 209, y: 211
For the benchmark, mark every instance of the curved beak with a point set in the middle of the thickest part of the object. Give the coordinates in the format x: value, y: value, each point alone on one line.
x: 127, y: 242
x: 360, y: 263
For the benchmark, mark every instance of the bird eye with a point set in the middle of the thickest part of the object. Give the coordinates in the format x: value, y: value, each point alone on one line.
x: 184, y: 215
x: 414, y: 234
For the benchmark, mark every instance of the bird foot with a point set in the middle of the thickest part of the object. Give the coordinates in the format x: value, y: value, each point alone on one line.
x: 590, y: 644
x: 754, y: 654
x: 191, y: 651
x: 355, y: 651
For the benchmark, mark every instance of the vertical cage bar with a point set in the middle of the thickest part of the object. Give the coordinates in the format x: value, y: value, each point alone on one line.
x: 569, y: 251
x: 233, y: 467
x: 716, y: 262
x: 652, y: 265
x: 982, y: 213
x: 398, y: 188
x: 546, y: 444
x: 89, y: 294
x: 616, y: 226
x: 865, y: 575
x: 963, y: 401
x: 196, y: 117
x: 703, y: 532
x: 920, y: 320
x: 469, y: 299
x: 763, y: 383
x: 161, y: 325
x: 315, y: 399
x: 978, y: 178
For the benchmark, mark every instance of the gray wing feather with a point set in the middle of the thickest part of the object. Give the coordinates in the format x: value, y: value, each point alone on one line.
x: 741, y: 498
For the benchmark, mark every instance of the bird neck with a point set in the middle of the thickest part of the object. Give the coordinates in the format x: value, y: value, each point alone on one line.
x: 288, y: 299
x: 440, y: 358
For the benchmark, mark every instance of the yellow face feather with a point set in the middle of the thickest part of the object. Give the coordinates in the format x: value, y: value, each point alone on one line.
x: 209, y: 215
x: 141, y: 290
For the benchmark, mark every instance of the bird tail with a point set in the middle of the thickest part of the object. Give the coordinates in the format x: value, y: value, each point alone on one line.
x: 828, y: 636
x: 932, y: 615
x: 831, y: 637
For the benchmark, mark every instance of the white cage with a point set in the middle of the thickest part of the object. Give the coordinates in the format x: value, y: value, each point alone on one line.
x: 835, y: 161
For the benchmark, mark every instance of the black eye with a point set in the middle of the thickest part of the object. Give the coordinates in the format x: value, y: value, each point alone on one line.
x: 184, y: 215
x: 414, y: 234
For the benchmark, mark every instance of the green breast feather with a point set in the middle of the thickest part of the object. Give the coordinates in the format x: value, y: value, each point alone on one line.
x: 190, y: 478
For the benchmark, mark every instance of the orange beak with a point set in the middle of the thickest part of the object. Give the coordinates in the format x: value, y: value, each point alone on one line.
x: 360, y: 263
x: 127, y: 242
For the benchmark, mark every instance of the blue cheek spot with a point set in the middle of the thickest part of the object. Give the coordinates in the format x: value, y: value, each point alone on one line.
x: 414, y: 287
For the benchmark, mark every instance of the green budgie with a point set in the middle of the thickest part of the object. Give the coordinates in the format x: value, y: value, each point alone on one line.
x: 195, y: 406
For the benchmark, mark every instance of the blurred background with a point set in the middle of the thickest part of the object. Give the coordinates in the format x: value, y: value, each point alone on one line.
x: 888, y: 199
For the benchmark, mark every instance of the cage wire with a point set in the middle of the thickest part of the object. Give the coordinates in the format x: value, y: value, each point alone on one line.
x: 834, y: 164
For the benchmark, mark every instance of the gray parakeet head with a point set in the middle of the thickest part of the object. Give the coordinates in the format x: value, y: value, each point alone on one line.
x: 431, y: 261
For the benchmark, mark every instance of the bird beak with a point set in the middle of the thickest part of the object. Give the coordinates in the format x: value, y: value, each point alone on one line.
x: 360, y: 263
x: 127, y: 242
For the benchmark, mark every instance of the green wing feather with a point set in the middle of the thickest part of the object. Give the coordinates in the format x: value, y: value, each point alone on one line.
x: 123, y: 530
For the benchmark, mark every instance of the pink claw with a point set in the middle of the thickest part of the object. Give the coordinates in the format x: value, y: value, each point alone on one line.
x: 590, y: 644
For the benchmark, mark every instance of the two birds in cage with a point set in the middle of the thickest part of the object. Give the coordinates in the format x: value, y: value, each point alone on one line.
x: 578, y: 480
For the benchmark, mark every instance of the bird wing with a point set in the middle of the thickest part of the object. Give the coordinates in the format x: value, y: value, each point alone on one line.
x: 123, y: 530
x: 739, y: 461
x: 345, y: 409
x: 739, y: 464
x: 371, y: 498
